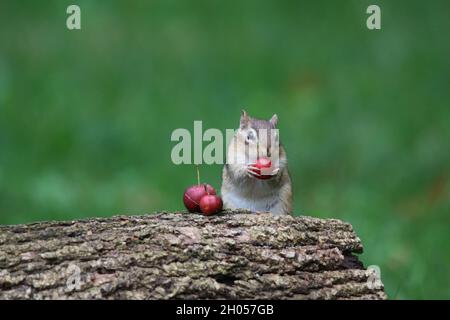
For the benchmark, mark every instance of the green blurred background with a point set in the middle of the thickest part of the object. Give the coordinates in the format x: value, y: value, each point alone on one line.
x: 86, y: 116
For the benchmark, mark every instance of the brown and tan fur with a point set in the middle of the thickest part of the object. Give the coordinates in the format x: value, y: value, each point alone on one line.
x: 241, y: 190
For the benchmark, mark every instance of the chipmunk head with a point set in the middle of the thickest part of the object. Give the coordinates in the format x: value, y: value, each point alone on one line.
x: 256, y: 141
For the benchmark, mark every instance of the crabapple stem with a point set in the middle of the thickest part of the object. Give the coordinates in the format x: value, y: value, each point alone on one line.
x: 198, y: 174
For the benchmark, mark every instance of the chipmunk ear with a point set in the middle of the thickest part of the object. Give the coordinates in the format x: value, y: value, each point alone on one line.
x: 244, y: 119
x: 274, y: 120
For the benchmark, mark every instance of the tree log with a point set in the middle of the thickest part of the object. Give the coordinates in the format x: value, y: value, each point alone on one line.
x: 232, y: 255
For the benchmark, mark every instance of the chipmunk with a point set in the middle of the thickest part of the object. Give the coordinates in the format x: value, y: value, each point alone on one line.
x: 243, y: 187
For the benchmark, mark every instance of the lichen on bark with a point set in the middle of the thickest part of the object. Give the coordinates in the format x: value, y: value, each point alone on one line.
x: 232, y: 255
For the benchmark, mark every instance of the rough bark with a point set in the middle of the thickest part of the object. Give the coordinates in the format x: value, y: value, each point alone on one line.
x: 232, y: 255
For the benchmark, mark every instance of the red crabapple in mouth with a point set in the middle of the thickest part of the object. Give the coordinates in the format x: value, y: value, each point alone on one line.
x: 262, y: 169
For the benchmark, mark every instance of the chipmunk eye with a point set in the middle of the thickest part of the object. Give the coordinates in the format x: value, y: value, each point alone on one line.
x: 250, y: 136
